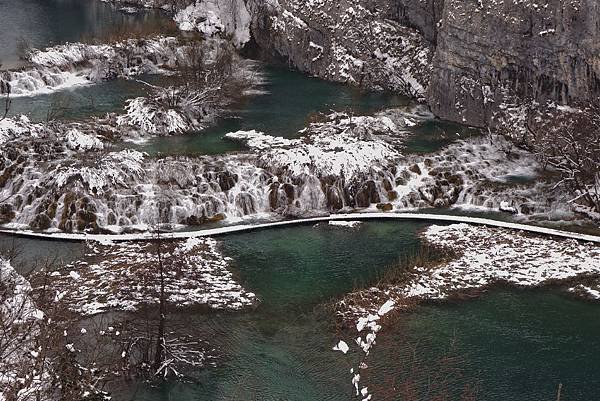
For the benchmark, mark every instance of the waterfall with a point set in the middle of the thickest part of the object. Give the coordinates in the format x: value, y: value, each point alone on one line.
x: 56, y: 177
x: 74, y: 64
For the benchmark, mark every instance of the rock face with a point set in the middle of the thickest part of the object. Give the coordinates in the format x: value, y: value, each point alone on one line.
x: 351, y: 41
x: 465, y: 58
x: 489, y: 51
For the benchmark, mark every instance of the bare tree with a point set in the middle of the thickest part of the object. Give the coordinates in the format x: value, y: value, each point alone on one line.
x: 58, y: 107
x: 570, y: 144
x: 38, y: 358
x: 24, y: 48
x: 5, y: 91
x: 162, y: 308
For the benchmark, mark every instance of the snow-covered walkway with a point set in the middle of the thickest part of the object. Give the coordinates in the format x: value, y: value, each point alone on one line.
x: 333, y: 217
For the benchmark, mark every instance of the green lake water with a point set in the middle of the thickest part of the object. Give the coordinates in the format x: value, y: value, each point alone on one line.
x: 290, y: 99
x: 83, y: 101
x: 282, y: 350
x: 43, y: 23
x: 514, y: 345
x: 517, y: 344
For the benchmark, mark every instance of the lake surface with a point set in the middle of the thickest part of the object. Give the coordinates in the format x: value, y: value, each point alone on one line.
x: 290, y: 100
x: 512, y: 345
x: 282, y: 350
x: 82, y: 102
x: 43, y: 23
x: 518, y: 345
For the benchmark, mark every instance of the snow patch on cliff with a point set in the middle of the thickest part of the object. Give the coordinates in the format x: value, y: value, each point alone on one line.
x: 215, y: 18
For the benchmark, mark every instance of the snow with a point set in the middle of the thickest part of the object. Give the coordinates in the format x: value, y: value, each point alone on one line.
x: 589, y: 290
x: 485, y: 256
x: 341, y: 146
x: 17, y: 305
x: 112, y: 238
x: 340, y: 42
x: 77, y: 140
x: 113, y: 170
x: 118, y: 277
x: 339, y: 163
x: 491, y: 255
x: 216, y: 18
x: 149, y: 117
x: 341, y: 346
x: 386, y: 307
x: 21, y: 318
x: 346, y: 224
x: 13, y: 128
x: 75, y: 64
x: 370, y: 322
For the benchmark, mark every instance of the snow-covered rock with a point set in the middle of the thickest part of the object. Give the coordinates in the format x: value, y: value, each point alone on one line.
x: 215, y: 18
x: 342, y: 146
x: 75, y: 64
x: 77, y: 140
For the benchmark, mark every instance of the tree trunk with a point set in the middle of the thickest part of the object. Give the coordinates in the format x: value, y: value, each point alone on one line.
x: 160, y: 340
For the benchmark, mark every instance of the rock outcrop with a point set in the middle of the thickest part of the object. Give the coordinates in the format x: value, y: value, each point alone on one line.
x: 350, y: 41
x: 491, y: 51
x: 465, y: 58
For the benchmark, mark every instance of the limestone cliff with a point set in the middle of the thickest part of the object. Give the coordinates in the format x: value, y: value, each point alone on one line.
x: 468, y: 58
x: 350, y: 41
x: 488, y: 51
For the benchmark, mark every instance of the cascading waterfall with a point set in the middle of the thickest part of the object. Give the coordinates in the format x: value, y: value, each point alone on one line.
x: 78, y: 63
x: 48, y: 183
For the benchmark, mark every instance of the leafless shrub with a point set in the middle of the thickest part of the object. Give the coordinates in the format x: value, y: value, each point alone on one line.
x: 5, y: 92
x: 59, y: 106
x: 569, y: 142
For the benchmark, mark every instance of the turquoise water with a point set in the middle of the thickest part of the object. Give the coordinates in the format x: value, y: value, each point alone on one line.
x: 282, y: 350
x: 432, y: 135
x: 513, y: 345
x: 83, y: 101
x: 289, y: 100
x: 29, y: 254
x: 518, y: 345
